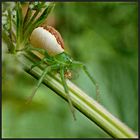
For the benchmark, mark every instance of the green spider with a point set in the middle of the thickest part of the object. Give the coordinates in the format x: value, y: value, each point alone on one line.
x: 50, y: 41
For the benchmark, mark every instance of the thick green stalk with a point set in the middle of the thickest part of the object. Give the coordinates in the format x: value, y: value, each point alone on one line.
x: 85, y: 104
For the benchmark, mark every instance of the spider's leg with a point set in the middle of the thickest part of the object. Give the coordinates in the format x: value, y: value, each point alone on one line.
x: 38, y: 63
x: 89, y: 76
x: 40, y: 50
x: 93, y: 81
x: 67, y: 91
x: 30, y: 48
x: 45, y: 59
x: 46, y: 70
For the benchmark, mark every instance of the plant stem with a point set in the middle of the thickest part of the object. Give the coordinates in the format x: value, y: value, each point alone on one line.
x: 19, y: 24
x: 27, y: 16
x: 9, y: 42
x: 85, y: 104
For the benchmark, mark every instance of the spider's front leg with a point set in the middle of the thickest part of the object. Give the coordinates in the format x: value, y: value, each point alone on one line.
x: 46, y: 70
x: 43, y: 60
x: 46, y: 58
x: 67, y: 91
x: 40, y: 50
x: 89, y: 76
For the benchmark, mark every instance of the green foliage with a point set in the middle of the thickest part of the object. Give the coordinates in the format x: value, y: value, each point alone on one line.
x: 23, y: 26
x: 102, y: 35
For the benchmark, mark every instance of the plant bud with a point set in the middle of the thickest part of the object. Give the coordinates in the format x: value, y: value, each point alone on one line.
x: 47, y: 38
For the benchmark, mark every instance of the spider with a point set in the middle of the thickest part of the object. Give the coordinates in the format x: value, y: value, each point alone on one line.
x: 49, y: 41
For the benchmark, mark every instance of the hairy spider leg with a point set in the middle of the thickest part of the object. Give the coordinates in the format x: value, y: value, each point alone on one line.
x: 89, y: 76
x: 67, y: 91
x: 46, y: 70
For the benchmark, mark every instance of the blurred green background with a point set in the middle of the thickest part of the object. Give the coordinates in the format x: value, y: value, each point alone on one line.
x: 104, y: 36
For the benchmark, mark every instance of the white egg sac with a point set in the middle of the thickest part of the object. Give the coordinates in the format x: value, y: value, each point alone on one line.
x: 41, y: 38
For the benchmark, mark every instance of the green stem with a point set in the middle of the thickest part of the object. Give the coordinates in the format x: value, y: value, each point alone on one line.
x: 85, y: 104
x: 30, y: 22
x: 19, y: 26
x: 7, y: 40
x: 44, y: 15
x: 10, y: 22
x: 27, y: 16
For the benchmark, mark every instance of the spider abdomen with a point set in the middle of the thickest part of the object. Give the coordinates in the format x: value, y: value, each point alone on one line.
x: 43, y: 38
